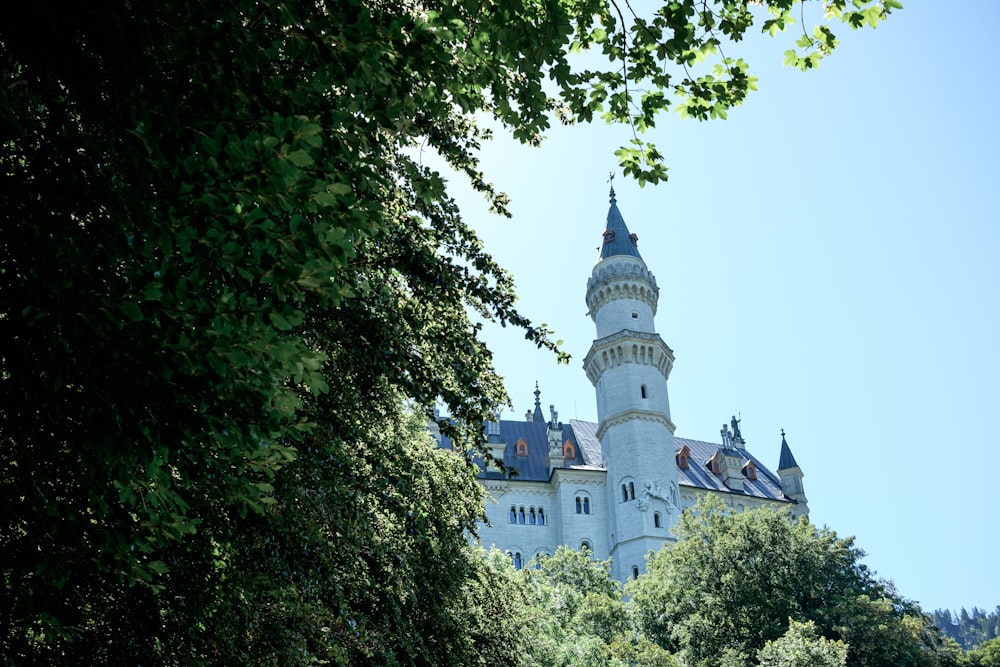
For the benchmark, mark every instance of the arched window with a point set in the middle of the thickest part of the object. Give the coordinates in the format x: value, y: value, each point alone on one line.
x: 683, y: 457
x: 585, y: 546
x: 586, y: 505
x: 656, y: 520
x: 579, y: 505
x: 531, y: 516
x: 631, y: 490
x: 635, y: 572
x: 624, y: 493
x: 513, y: 514
x: 541, y: 517
x: 518, y: 562
x: 521, y: 448
x: 569, y: 452
x: 520, y: 516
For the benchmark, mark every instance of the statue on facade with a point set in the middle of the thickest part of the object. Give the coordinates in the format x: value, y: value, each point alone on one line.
x: 735, y: 423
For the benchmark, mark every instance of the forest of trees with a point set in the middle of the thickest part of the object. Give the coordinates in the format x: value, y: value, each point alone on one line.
x: 230, y: 297
x: 970, y: 629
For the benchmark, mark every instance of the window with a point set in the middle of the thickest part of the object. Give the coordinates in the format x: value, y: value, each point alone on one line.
x: 569, y: 451
x: 521, y: 447
x: 715, y: 463
x: 635, y: 315
x: 518, y: 562
x: 684, y: 458
x: 541, y: 517
x: 631, y: 490
x: 579, y: 505
x: 583, y: 504
x: 750, y: 470
x: 520, y: 516
x: 586, y: 505
x: 585, y: 546
x: 531, y: 517
x: 635, y: 572
x: 656, y: 520
x: 513, y: 514
x: 642, y: 390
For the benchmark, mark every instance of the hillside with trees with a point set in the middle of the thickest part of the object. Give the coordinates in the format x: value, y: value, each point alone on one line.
x: 970, y: 629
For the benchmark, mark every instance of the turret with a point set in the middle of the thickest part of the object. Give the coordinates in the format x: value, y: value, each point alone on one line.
x: 629, y: 364
x: 791, y: 478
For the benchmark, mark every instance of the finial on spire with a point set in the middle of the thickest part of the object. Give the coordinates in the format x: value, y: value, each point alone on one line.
x: 611, y: 180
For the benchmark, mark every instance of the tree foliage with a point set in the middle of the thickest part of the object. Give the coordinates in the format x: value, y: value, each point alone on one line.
x: 223, y: 269
x: 732, y: 583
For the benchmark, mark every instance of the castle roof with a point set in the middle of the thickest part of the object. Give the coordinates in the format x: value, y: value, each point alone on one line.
x: 587, y: 448
x: 617, y: 239
x: 787, y: 460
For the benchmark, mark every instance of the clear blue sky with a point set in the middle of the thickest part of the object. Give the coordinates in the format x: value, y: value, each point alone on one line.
x: 827, y: 263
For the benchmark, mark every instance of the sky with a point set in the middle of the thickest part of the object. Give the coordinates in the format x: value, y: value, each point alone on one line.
x: 827, y: 265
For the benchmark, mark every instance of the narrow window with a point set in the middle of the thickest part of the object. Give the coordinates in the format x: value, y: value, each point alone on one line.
x: 578, y: 506
x: 513, y: 514
x: 643, y: 390
x: 586, y: 505
x: 631, y: 490
x: 541, y: 517
x: 531, y: 516
x: 635, y: 572
x: 656, y: 520
x: 624, y: 493
x: 520, y: 516
x: 518, y: 563
x: 585, y: 546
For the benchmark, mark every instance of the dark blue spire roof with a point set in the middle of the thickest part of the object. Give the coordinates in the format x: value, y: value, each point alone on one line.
x: 617, y: 239
x: 787, y: 460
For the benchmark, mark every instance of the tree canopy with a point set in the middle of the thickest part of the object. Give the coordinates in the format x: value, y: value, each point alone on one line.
x: 224, y: 268
x: 734, y: 584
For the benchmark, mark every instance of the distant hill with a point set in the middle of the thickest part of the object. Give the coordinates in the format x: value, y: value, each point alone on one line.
x: 969, y: 629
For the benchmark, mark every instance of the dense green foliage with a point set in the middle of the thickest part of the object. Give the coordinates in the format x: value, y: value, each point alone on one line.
x: 222, y: 274
x: 969, y: 629
x: 733, y: 583
x: 987, y: 655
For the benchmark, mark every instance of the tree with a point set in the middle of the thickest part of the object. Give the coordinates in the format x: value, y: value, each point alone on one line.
x: 802, y: 647
x: 221, y: 258
x: 732, y: 582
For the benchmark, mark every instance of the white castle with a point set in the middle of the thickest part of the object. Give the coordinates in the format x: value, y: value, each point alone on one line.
x: 617, y: 487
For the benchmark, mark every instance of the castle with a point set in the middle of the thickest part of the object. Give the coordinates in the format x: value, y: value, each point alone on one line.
x: 618, y: 486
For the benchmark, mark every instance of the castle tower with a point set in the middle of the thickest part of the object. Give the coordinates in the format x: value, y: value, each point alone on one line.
x: 791, y: 479
x: 629, y: 365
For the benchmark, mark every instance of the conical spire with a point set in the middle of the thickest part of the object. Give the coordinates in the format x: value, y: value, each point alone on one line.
x: 786, y: 460
x: 617, y: 239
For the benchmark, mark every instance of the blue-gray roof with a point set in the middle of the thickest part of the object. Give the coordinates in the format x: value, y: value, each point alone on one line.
x: 787, y: 460
x: 617, y: 239
x: 535, y: 466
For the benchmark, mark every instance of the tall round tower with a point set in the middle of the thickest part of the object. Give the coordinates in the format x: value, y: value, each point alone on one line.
x: 629, y: 365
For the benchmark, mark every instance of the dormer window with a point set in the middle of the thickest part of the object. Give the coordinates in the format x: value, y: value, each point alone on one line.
x: 684, y: 458
x: 715, y: 463
x: 750, y: 470
x: 635, y: 239
x: 521, y: 447
x: 569, y: 451
x: 609, y: 235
